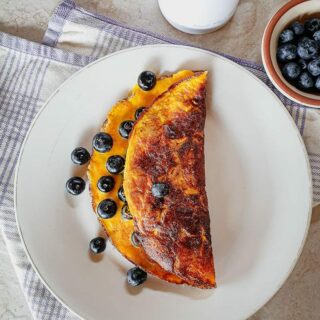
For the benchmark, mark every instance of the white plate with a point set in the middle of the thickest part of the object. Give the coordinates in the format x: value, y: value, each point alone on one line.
x: 258, y: 184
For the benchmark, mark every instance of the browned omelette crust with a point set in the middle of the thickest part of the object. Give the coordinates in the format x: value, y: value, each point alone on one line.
x: 167, y: 145
x: 118, y: 229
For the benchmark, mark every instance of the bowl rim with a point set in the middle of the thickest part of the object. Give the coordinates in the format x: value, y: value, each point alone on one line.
x: 268, y: 64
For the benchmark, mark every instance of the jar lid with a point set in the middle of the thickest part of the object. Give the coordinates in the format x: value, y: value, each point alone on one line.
x: 198, y: 16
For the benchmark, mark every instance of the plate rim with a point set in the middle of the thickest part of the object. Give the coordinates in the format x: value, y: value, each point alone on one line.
x: 208, y: 52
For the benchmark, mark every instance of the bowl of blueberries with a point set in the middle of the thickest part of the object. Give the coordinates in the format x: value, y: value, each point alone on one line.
x: 291, y: 51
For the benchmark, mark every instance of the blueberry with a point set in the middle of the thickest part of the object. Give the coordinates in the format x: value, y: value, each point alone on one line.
x: 312, y: 25
x: 286, y: 35
x: 307, y: 48
x: 121, y: 194
x: 147, y: 80
x: 125, y: 213
x: 135, y: 239
x: 287, y: 52
x: 107, y: 209
x: 291, y: 70
x: 303, y: 64
x: 160, y: 190
x: 105, y: 183
x: 139, y: 112
x: 125, y: 128
x: 297, y: 28
x: 317, y: 84
x: 97, y: 245
x: 314, y: 67
x: 80, y: 155
x: 305, y: 81
x: 115, y: 164
x: 75, y: 185
x: 316, y: 36
x: 102, y: 142
x: 136, y: 276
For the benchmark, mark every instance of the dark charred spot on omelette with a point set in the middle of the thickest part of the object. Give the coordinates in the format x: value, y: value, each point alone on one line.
x: 157, y: 160
x: 191, y: 242
x: 200, y: 98
x: 184, y: 125
x: 157, y: 203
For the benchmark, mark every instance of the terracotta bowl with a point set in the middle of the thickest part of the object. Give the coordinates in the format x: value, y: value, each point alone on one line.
x: 293, y: 10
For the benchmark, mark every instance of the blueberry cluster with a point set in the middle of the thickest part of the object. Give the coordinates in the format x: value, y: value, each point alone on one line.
x: 298, y: 54
x: 107, y: 208
x: 76, y: 185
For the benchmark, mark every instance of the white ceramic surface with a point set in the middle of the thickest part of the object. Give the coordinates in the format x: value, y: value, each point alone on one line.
x: 258, y: 184
x: 198, y: 17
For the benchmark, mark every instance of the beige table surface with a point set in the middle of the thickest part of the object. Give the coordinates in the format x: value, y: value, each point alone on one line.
x: 299, y: 298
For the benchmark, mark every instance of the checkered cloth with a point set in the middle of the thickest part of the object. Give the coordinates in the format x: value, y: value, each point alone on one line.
x: 30, y: 72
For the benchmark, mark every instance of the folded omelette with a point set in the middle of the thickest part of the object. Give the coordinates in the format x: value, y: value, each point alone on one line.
x: 160, y: 219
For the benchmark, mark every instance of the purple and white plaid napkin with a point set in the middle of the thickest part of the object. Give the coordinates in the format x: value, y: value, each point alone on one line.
x: 30, y: 72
